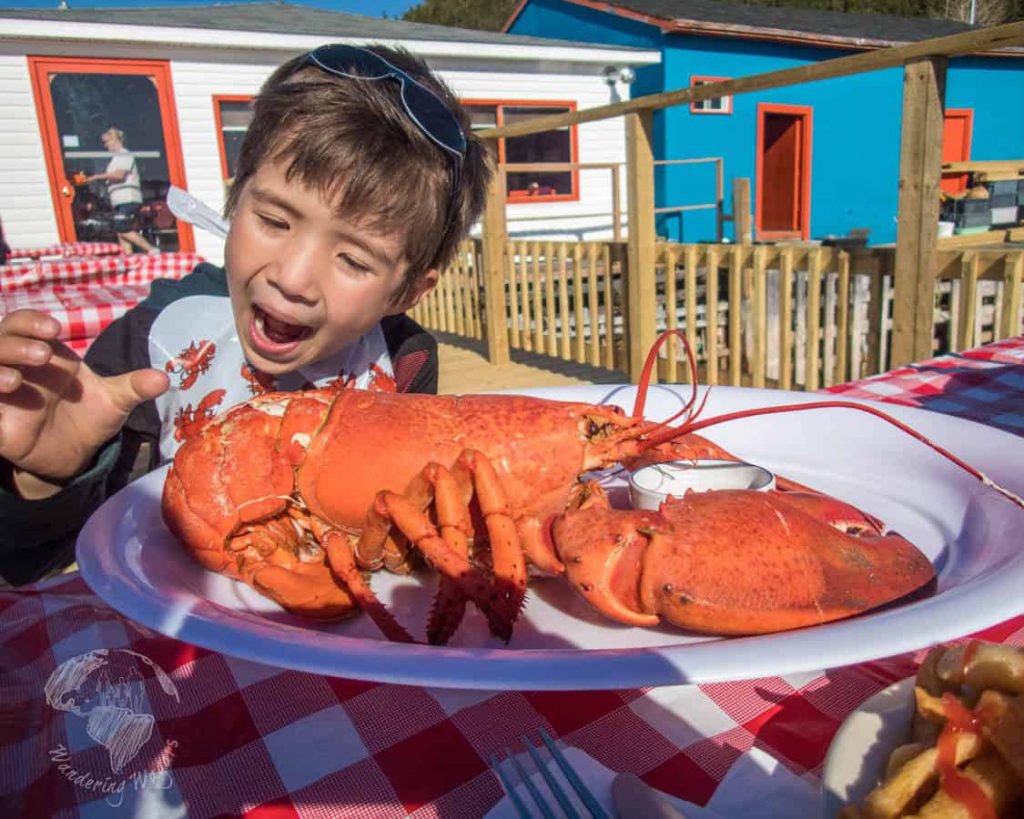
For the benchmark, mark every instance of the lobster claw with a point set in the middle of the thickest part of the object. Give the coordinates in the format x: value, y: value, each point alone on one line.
x: 735, y: 562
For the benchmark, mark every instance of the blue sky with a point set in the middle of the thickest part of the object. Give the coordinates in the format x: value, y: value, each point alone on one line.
x: 371, y: 8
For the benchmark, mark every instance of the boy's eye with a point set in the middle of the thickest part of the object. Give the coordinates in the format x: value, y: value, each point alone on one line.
x: 272, y: 222
x: 354, y: 264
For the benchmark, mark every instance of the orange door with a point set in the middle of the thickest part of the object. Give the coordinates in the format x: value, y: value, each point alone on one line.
x: 783, y: 171
x: 77, y: 100
x: 956, y: 145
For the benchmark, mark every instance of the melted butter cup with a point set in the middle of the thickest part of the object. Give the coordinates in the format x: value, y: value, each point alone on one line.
x: 650, y: 485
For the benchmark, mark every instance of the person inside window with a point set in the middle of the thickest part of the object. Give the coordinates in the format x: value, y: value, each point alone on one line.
x: 124, y: 188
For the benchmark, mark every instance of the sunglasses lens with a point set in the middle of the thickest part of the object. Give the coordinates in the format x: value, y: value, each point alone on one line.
x: 433, y: 116
x: 427, y: 110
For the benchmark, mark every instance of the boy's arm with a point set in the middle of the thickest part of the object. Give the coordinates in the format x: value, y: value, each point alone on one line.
x: 413, y: 354
x: 38, y: 536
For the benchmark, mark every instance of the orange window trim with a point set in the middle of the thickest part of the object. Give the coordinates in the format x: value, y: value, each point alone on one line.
x: 694, y: 80
x: 573, y: 145
x: 40, y: 67
x: 804, y: 230
x: 217, y: 100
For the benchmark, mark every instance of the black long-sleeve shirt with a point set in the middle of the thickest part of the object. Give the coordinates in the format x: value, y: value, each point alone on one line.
x: 37, y: 537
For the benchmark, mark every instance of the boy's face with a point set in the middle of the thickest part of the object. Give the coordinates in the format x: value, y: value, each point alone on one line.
x: 304, y: 281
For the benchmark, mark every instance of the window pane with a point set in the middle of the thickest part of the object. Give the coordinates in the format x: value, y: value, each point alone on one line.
x: 550, y: 146
x: 712, y: 104
x: 482, y: 116
x: 85, y: 106
x: 235, y: 118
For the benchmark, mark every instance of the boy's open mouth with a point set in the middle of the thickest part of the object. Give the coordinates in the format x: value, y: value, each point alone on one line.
x: 277, y: 332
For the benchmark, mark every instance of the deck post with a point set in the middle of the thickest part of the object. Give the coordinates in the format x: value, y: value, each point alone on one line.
x: 641, y: 316
x: 495, y: 238
x: 741, y: 211
x: 924, y: 92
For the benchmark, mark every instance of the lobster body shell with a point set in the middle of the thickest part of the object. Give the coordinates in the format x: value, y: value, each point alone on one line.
x: 535, y: 446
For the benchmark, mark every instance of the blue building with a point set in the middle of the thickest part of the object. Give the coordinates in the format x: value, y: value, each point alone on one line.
x: 822, y: 157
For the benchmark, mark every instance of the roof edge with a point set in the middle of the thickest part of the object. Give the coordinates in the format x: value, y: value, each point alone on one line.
x: 686, y: 26
x: 40, y: 29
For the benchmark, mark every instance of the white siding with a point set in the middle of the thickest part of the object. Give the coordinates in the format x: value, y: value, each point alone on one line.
x: 200, y: 73
x: 26, y: 204
x: 603, y: 141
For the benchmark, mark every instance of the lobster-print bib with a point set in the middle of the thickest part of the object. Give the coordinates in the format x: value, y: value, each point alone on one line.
x: 195, y: 341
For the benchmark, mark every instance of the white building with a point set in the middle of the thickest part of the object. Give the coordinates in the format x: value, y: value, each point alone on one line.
x: 177, y: 81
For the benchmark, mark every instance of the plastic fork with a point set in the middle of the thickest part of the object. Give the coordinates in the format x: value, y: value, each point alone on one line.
x: 544, y: 805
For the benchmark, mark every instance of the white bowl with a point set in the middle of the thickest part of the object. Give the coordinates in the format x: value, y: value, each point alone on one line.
x: 650, y: 485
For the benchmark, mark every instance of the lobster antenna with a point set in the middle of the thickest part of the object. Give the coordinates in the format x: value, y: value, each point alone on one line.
x: 645, y: 375
x: 694, y: 425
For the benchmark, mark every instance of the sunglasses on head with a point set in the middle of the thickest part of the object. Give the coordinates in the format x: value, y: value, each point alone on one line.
x: 427, y: 111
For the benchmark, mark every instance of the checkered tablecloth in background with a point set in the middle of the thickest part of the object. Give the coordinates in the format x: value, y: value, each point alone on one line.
x: 86, y: 295
x: 124, y: 269
x: 67, y: 249
x: 241, y: 738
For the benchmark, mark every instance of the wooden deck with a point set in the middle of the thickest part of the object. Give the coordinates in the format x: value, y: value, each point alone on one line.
x: 464, y: 368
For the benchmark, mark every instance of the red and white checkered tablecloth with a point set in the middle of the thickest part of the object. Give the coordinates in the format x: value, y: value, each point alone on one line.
x: 83, y: 310
x: 245, y: 739
x: 86, y: 295
x: 123, y: 269
x: 68, y: 249
x: 985, y: 384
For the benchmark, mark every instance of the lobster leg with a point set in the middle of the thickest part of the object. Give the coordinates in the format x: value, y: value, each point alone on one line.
x: 416, y: 526
x: 473, y: 474
x: 343, y: 564
x: 450, y: 494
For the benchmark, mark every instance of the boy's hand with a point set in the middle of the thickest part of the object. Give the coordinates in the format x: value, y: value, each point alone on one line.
x: 55, y: 412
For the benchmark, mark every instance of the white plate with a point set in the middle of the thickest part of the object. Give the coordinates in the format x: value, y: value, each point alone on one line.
x: 129, y: 558
x: 856, y: 759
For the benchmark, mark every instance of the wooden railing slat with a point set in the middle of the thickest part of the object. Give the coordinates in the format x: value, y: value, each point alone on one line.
x: 711, y: 315
x: 968, y: 299
x: 735, y: 315
x: 563, y: 303
x: 594, y: 356
x: 668, y: 255
x: 577, y: 300
x: 691, y: 301
x: 1013, y: 271
x: 759, y: 308
x: 549, y: 297
x: 786, y: 319
x: 811, y: 378
x: 538, y: 298
x: 609, y: 327
x: 513, y: 277
x: 843, y: 329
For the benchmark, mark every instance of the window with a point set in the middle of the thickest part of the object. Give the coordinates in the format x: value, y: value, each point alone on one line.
x: 715, y: 105
x: 551, y: 146
x: 233, y: 115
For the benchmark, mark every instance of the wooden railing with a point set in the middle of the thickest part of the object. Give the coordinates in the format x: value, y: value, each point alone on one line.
x: 916, y: 266
x: 792, y: 317
x: 454, y: 305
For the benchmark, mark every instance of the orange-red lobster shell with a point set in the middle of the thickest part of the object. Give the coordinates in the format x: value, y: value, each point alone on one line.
x: 299, y: 494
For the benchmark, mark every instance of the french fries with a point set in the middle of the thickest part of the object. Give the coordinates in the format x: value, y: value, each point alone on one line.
x: 965, y: 756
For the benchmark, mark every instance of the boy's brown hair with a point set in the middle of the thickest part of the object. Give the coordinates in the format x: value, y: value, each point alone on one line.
x: 352, y: 140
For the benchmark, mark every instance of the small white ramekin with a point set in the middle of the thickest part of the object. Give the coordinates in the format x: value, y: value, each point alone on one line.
x: 650, y: 485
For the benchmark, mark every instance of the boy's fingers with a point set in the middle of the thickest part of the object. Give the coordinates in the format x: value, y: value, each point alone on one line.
x: 131, y: 389
x: 10, y: 379
x: 23, y: 351
x: 31, y: 323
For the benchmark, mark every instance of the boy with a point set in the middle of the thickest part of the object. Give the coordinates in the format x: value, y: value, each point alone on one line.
x: 357, y: 179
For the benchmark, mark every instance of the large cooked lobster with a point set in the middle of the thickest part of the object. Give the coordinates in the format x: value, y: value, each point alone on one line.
x: 301, y: 494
